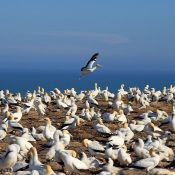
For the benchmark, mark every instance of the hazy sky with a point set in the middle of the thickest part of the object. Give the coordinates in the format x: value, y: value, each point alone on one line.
x: 57, y: 34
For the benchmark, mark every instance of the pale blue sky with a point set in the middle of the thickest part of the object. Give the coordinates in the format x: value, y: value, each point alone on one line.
x: 55, y: 34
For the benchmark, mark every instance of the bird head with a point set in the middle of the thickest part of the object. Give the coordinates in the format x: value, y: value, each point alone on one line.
x: 78, y: 121
x: 48, y: 121
x: 73, y: 153
x: 32, y: 152
x: 18, y: 109
x: 98, y: 65
x: 125, y: 125
x: 85, y: 142
x: 11, y: 117
x: 48, y: 170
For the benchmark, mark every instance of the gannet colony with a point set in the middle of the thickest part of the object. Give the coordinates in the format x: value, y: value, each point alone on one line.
x: 92, y: 132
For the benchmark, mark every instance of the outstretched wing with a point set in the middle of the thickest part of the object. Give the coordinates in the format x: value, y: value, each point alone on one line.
x: 93, y: 59
x: 90, y: 63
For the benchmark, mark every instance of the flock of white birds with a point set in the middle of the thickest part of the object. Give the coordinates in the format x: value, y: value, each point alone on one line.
x: 104, y: 158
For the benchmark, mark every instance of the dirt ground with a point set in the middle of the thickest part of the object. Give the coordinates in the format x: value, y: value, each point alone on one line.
x: 85, y: 130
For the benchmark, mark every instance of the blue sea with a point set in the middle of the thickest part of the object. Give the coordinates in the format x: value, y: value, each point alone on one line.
x: 21, y: 81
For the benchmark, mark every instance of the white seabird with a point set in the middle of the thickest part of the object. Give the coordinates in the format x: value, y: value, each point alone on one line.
x: 73, y: 164
x: 89, y: 66
x: 10, y: 157
x: 149, y: 163
x: 94, y: 147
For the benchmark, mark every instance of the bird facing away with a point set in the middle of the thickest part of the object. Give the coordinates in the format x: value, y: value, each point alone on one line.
x: 89, y: 66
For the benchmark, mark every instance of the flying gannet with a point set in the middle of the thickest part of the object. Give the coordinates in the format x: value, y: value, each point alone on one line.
x: 89, y: 66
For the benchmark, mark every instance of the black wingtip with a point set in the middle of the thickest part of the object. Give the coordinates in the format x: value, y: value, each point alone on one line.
x: 96, y: 54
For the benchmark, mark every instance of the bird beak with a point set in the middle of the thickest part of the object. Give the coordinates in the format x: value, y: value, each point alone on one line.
x: 99, y: 65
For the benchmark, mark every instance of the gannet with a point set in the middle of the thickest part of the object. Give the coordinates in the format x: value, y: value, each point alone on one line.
x: 34, y: 163
x: 96, y: 91
x: 65, y: 138
x: 56, y: 146
x: 5, y: 109
x: 122, y: 91
x: 139, y: 149
x: 161, y: 115
x: 61, y: 104
x: 57, y: 91
x: 109, y: 167
x: 80, y: 96
x: 20, y: 165
x: 67, y: 100
x: 71, y: 122
x: 172, y: 120
x: 89, y: 66
x: 40, y: 108
x: 5, y: 116
x: 156, y: 96
x: 145, y: 120
x: 108, y: 117
x: 26, y: 134
x: 146, y: 89
x: 2, y: 95
x: 91, y: 99
x: 144, y: 102
x: 3, y: 130
x: 92, y: 112
x: 126, y: 132
x: 18, y: 97
x: 118, y: 102
x: 48, y: 130
x: 73, y: 108
x: 18, y: 114
x: 121, y: 117
x: 149, y: 163
x: 37, y: 136
x: 153, y: 130
x: 82, y: 114
x: 116, y: 140
x: 91, y: 162
x: 87, y: 115
x: 105, y: 95
x: 46, y: 98
x: 165, y: 152
x: 30, y: 103
x: 13, y: 124
x: 11, y: 99
x: 87, y: 105
x: 110, y: 152
x: 53, y: 95
x: 97, y: 115
x: 72, y: 164
x: 134, y: 127
x: 10, y: 157
x: 26, y: 110
x: 148, y: 141
x: 100, y: 127
x: 94, y: 147
x: 123, y: 157
x: 127, y: 109
x: 23, y: 144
